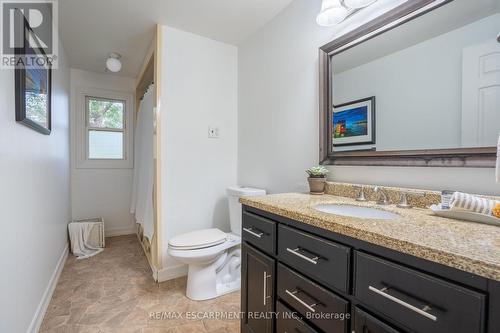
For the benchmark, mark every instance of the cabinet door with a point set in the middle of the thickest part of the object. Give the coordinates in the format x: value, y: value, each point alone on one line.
x: 257, y: 291
x: 364, y: 323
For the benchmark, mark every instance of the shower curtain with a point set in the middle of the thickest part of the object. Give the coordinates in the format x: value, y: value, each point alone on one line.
x: 142, y: 191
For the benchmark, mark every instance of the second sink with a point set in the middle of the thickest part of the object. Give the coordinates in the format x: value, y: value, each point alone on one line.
x: 356, y: 211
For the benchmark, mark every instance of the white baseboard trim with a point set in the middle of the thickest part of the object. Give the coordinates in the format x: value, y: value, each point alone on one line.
x: 37, y: 320
x: 170, y: 273
x: 111, y: 232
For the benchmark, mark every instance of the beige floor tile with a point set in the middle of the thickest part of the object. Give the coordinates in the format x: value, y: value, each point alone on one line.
x: 115, y: 292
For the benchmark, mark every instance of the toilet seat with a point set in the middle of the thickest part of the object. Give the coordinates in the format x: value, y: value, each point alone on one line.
x: 198, y: 239
x: 205, y: 252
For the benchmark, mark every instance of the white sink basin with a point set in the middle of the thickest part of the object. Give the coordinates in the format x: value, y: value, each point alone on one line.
x: 356, y: 211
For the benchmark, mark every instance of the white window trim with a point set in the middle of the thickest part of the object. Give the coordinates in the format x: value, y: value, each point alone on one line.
x: 89, y: 128
x: 82, y: 160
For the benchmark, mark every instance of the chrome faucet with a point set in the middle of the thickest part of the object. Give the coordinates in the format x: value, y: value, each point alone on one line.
x: 403, y: 198
x: 403, y: 201
x: 382, y: 199
x: 361, y: 196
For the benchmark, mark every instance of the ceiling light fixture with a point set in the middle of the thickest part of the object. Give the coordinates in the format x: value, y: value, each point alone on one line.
x: 335, y: 11
x: 357, y: 4
x: 113, y: 63
x: 332, y: 12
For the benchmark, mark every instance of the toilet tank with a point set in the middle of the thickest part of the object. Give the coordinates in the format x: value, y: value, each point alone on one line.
x: 234, y: 194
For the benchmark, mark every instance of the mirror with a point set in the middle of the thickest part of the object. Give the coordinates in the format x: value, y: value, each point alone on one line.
x: 431, y: 84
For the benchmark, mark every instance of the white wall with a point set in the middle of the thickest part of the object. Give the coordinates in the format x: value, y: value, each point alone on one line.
x: 278, y: 114
x: 35, y: 202
x: 101, y: 192
x: 199, y: 89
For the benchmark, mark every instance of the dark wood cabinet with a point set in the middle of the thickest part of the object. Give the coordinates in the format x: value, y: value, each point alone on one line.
x: 299, y: 279
x: 257, y: 296
x: 321, y: 307
x: 289, y: 322
x: 325, y: 261
x: 365, y: 323
x: 260, y: 232
x: 416, y: 300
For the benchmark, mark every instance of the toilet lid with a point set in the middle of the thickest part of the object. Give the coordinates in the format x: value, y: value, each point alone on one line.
x: 198, y: 239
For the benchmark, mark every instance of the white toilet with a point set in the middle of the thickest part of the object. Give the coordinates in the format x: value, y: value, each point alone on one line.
x: 213, y: 256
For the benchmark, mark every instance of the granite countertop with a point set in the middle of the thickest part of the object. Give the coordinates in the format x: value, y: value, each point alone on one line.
x: 467, y: 246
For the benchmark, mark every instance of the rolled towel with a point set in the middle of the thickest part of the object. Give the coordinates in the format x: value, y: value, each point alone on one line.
x: 472, y: 203
x: 496, y: 210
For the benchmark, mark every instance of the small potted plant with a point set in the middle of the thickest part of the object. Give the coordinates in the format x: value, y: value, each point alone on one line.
x: 317, y: 179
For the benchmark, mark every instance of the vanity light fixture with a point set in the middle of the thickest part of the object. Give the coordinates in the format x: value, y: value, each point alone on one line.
x: 332, y: 13
x: 357, y: 4
x: 335, y: 11
x: 113, y: 63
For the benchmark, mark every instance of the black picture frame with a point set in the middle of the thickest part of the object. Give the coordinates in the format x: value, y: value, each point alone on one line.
x: 371, y: 101
x: 21, y: 74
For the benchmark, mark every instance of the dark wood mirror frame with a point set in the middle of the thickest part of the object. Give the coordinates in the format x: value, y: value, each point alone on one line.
x: 456, y: 157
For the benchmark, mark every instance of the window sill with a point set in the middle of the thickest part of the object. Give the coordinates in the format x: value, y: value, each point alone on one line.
x: 105, y: 164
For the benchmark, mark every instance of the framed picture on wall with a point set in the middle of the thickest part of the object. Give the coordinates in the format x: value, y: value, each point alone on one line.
x: 33, y: 83
x: 353, y: 123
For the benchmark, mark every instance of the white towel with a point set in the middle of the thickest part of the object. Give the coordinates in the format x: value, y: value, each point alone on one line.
x: 472, y: 203
x: 79, y: 234
x: 498, y: 160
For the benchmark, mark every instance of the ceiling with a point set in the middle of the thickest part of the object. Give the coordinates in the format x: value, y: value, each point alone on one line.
x: 91, y: 29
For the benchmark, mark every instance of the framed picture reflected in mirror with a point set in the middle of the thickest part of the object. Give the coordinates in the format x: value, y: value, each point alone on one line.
x: 353, y: 123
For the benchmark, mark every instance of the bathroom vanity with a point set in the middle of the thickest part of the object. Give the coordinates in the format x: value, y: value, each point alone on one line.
x: 304, y: 270
x: 401, y: 89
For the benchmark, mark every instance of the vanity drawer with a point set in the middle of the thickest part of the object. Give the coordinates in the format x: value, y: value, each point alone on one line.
x: 321, y: 307
x: 289, y: 322
x: 416, y: 300
x: 363, y: 322
x: 259, y: 232
x: 322, y: 260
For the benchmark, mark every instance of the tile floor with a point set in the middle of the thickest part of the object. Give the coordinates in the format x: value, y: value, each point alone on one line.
x: 115, y: 292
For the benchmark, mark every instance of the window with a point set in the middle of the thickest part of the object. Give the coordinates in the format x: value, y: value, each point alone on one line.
x: 104, y: 127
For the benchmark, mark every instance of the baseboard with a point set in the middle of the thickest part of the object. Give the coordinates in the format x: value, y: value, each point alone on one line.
x: 170, y: 273
x: 47, y: 295
x: 111, y: 232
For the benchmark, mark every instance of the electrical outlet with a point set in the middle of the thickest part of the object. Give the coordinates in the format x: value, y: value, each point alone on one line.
x: 213, y: 132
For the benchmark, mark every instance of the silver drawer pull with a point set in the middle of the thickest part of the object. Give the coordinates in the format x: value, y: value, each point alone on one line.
x: 422, y: 312
x: 300, y: 255
x: 265, y: 287
x: 253, y: 233
x: 293, y: 294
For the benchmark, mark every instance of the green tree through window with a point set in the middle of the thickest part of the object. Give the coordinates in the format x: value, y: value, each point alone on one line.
x: 105, y: 114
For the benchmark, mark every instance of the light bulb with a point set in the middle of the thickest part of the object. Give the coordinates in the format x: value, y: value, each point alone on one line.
x: 113, y: 63
x: 332, y: 12
x: 356, y: 4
